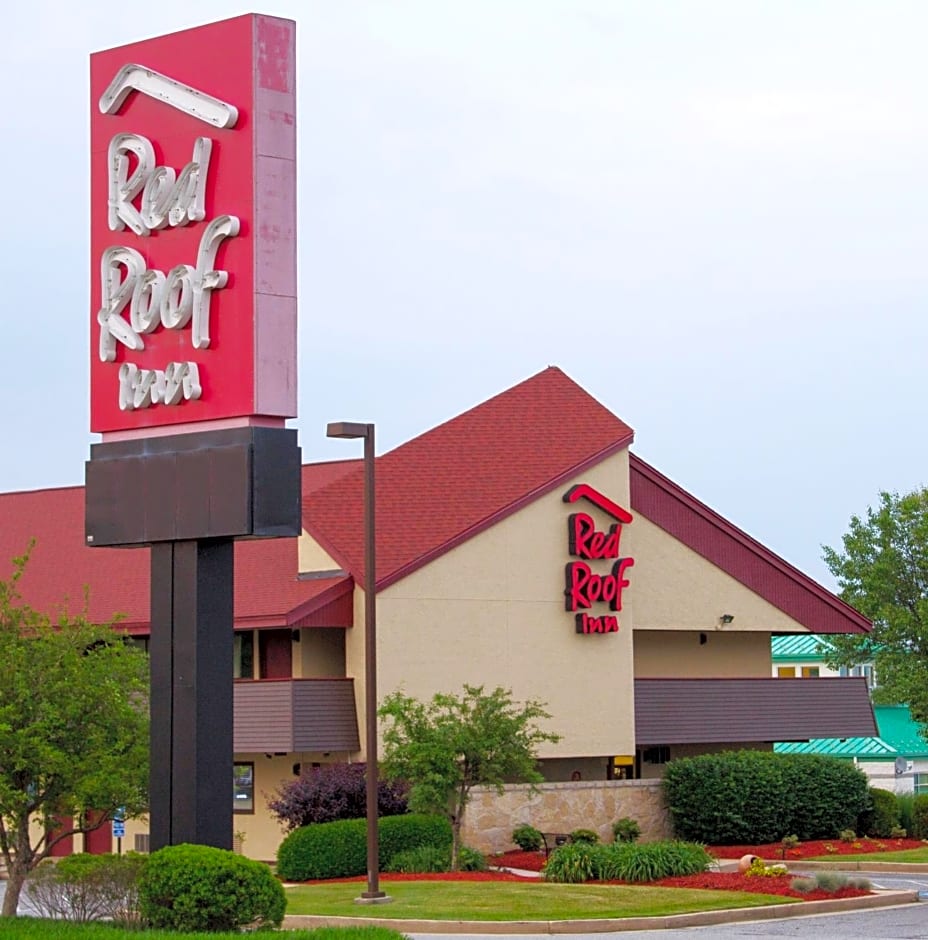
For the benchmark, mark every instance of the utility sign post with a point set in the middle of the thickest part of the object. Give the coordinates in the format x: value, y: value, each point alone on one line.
x: 193, y: 364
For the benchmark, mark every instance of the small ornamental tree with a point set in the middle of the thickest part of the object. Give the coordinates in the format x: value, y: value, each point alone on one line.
x: 73, y: 731
x: 331, y: 792
x: 447, y: 746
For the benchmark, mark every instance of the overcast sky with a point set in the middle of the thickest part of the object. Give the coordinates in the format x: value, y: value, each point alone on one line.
x: 712, y: 215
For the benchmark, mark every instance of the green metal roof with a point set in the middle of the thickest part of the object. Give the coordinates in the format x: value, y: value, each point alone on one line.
x: 897, y: 727
x: 861, y: 748
x: 899, y: 737
x: 798, y: 646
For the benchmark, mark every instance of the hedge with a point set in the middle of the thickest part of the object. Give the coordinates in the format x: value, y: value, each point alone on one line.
x: 750, y: 797
x: 200, y: 888
x: 339, y: 849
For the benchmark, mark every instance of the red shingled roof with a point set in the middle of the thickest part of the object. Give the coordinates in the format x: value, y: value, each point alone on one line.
x: 267, y: 590
x: 456, y: 480
x: 707, y: 533
x: 433, y: 493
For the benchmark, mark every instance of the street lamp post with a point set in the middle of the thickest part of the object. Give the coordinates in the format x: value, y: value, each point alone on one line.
x: 354, y: 430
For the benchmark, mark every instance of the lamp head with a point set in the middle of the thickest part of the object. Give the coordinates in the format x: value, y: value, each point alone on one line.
x: 348, y: 429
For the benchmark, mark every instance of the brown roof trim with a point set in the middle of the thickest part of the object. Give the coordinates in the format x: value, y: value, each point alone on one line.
x: 334, y: 607
x: 677, y: 512
x: 729, y: 711
x: 503, y: 513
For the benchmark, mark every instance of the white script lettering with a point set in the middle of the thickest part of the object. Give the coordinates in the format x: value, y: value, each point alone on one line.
x: 140, y: 388
x: 166, y: 197
x: 172, y: 300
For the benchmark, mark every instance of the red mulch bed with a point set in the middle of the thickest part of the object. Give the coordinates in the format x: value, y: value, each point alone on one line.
x: 527, y: 861
x: 773, y: 851
x: 778, y: 884
x: 725, y: 881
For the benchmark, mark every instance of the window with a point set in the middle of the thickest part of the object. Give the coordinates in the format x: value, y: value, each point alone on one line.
x: 866, y: 671
x: 921, y: 783
x: 243, y: 655
x: 656, y: 755
x: 243, y: 788
x: 786, y: 672
x: 810, y: 672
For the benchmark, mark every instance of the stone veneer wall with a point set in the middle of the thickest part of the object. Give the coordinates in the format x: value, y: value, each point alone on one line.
x: 563, y: 807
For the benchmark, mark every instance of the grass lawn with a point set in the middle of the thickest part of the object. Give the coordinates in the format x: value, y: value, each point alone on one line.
x: 501, y: 901
x: 25, y: 928
x: 904, y: 855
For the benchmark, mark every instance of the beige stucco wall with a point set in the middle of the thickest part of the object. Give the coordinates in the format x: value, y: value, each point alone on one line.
x: 312, y: 557
x: 662, y: 654
x: 677, y: 589
x: 491, y: 612
x: 563, y: 807
x: 320, y: 653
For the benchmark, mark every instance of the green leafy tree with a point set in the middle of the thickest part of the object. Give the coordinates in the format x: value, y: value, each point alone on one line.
x: 446, y: 747
x: 73, y: 731
x: 883, y: 572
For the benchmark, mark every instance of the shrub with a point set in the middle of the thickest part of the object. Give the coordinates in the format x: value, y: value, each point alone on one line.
x: 847, y: 835
x: 803, y: 884
x: 881, y: 816
x: 906, y: 804
x: 432, y: 858
x: 789, y: 842
x: 625, y: 829
x: 86, y: 887
x: 625, y: 861
x: 749, y: 797
x: 198, y: 887
x: 332, y: 792
x: 898, y: 832
x: 426, y: 858
x: 471, y: 860
x: 339, y: 849
x: 664, y: 859
x: 584, y: 835
x: 528, y: 838
x: 572, y: 863
x: 919, y: 828
x: 830, y: 881
x: 758, y: 868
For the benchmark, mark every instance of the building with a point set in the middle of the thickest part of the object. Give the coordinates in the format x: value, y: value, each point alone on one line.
x: 803, y: 657
x: 895, y: 759
x: 519, y: 544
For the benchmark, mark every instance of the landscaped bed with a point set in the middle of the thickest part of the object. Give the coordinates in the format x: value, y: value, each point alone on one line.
x: 819, y: 848
x: 724, y: 881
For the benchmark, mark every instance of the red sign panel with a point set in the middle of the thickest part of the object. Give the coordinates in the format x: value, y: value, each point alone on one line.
x: 586, y: 585
x: 193, y: 228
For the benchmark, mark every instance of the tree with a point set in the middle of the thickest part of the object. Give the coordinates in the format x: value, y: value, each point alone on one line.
x: 73, y: 731
x: 332, y: 792
x: 446, y: 747
x: 883, y: 572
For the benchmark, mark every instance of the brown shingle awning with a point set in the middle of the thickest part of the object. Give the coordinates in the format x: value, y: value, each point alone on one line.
x: 716, y: 711
x: 289, y: 715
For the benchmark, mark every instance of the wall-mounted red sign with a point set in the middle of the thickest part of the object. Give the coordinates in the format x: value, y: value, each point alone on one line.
x: 193, y: 228
x: 588, y: 585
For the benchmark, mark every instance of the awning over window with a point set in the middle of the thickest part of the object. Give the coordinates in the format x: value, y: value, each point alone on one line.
x: 288, y: 715
x: 715, y: 711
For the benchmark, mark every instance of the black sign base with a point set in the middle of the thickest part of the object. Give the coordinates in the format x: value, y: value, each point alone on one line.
x: 189, y: 496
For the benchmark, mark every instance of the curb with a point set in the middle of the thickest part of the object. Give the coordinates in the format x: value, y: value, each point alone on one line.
x: 612, y: 925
